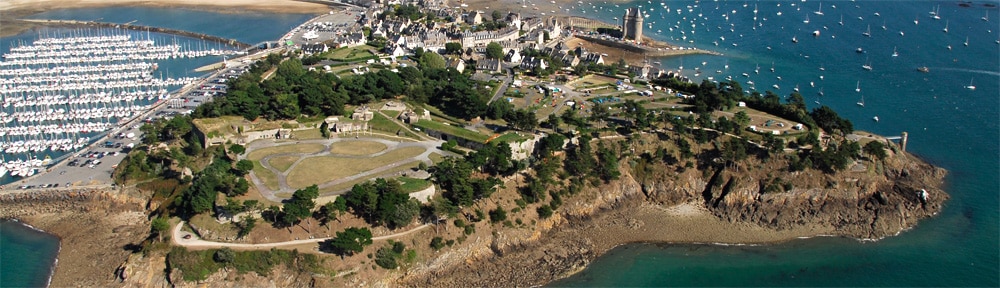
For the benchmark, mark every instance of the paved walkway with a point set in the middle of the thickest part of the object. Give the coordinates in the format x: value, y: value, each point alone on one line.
x: 283, y: 187
x: 177, y: 237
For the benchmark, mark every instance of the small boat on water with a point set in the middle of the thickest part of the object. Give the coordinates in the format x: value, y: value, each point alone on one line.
x: 867, y: 65
x: 970, y: 87
x: 945, y: 26
x: 858, y: 89
x: 923, y: 69
x: 859, y: 50
x: 875, y: 118
x: 868, y: 33
x: 894, y: 53
x: 794, y: 40
x: 862, y: 102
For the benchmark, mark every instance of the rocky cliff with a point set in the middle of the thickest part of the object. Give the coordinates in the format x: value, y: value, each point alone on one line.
x: 862, y: 203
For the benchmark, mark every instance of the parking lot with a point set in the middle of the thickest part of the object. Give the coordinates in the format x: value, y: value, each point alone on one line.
x: 326, y: 27
x: 95, y: 164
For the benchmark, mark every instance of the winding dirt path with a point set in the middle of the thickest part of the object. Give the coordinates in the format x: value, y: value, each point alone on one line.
x: 177, y: 238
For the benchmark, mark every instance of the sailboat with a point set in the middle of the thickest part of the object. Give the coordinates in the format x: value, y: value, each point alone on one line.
x: 966, y: 41
x: 858, y: 88
x: 916, y: 21
x: 894, y: 53
x: 807, y: 19
x: 820, y: 11
x: 867, y: 65
x: 945, y: 26
x: 841, y: 20
x: 987, y: 17
x: 875, y: 118
x: 883, y: 25
x: 862, y: 102
x: 820, y: 91
x: 868, y: 33
x: 935, y: 14
x: 970, y: 87
x: 772, y: 66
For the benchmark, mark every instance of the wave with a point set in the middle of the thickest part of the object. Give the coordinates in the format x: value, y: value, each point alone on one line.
x: 986, y: 72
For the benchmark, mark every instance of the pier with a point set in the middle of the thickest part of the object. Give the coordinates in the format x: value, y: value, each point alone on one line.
x: 227, y: 41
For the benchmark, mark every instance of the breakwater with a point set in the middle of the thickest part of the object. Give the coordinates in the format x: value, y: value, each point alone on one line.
x: 650, y: 51
x: 206, y: 37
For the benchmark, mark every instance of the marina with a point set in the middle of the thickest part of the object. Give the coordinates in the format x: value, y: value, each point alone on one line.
x: 60, y: 91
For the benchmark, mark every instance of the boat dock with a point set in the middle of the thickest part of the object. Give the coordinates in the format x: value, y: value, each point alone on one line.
x: 227, y: 41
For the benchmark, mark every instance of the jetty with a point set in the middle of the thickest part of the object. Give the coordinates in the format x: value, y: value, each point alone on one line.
x: 130, y: 26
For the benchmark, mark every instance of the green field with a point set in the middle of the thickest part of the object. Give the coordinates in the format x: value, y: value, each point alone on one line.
x: 282, y: 163
x: 329, y: 168
x: 270, y: 180
x: 350, y: 53
x: 357, y: 147
x: 349, y: 184
x: 410, y: 185
x: 511, y: 137
x: 258, y: 154
x: 451, y: 130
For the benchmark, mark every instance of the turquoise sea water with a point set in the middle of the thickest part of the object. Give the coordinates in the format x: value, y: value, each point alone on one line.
x: 949, y: 126
x: 27, y: 255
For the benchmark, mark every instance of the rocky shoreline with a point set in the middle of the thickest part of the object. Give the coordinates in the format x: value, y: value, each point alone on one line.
x: 97, y: 229
x: 685, y: 209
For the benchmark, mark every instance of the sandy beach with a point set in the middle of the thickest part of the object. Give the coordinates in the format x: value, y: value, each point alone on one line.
x: 10, y: 10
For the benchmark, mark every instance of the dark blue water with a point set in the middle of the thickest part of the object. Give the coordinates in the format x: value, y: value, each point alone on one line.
x: 27, y: 256
x: 949, y: 126
x: 248, y: 27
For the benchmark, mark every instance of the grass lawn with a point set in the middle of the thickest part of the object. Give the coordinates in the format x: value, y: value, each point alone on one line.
x: 452, y: 130
x: 324, y: 169
x: 308, y: 134
x: 411, y: 185
x: 437, y: 113
x: 435, y: 157
x: 357, y: 147
x: 381, y: 123
x: 282, y: 163
x: 511, y: 137
x: 270, y: 180
x: 205, y: 222
x: 350, y: 53
x: 350, y: 184
x: 258, y: 154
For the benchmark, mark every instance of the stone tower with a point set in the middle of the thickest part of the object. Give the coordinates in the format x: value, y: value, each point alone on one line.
x: 632, y: 24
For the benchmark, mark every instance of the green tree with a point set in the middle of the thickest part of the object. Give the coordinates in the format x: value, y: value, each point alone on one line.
x: 324, y: 130
x: 494, y: 50
x: 453, y: 48
x: 875, y: 149
x: 245, y: 226
x: 544, y: 211
x: 742, y: 120
x: 350, y: 241
x: 431, y: 60
x: 734, y: 150
x: 160, y: 225
x: 243, y: 167
x: 237, y: 149
x: 498, y: 215
x: 224, y: 256
x: 301, y: 205
x: 608, y: 165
